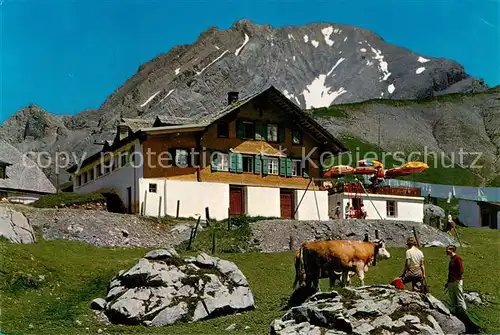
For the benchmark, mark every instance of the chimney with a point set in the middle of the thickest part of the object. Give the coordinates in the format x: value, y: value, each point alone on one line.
x: 232, y: 97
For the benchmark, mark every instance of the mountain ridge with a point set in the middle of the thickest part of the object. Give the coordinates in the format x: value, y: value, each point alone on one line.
x: 315, y: 65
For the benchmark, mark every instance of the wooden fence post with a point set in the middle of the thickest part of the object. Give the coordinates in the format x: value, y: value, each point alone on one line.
x: 190, y: 238
x: 145, y: 202
x: 207, y: 215
x: 416, y: 237
x: 178, y: 208
x: 376, y: 234
x: 228, y: 219
x: 196, y: 226
x: 159, y: 208
x: 213, y: 241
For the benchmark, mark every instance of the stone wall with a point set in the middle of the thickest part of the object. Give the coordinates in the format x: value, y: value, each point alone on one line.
x: 281, y: 235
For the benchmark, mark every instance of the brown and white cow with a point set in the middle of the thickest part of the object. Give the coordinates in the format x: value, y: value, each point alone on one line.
x: 339, y: 256
x: 300, y: 275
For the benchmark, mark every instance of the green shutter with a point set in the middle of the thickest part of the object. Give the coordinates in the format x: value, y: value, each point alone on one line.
x: 281, y: 134
x: 289, y: 167
x: 214, y: 162
x: 240, y: 130
x: 233, y: 162
x: 239, y: 162
x: 265, y: 165
x: 282, y: 167
x: 305, y: 170
x: 261, y: 132
x: 257, y: 164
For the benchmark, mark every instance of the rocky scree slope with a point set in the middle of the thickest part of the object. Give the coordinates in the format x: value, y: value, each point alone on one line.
x: 315, y: 65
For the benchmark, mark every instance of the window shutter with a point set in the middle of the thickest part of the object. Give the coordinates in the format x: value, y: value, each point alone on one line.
x: 282, y: 167
x: 257, y: 164
x: 261, y: 131
x: 233, y: 162
x: 289, y: 167
x: 214, y: 164
x: 240, y: 130
x: 281, y: 134
x: 265, y: 165
x: 305, y: 169
x: 239, y: 163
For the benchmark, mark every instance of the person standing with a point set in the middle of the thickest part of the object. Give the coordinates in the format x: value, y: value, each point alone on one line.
x: 455, y: 288
x: 455, y: 283
x: 338, y: 210
x: 414, y: 269
x: 347, y: 207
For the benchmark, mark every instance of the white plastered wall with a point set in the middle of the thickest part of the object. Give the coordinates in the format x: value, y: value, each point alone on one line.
x: 194, y: 197
x: 308, y: 209
x: 408, y: 208
x: 262, y: 201
x: 119, y: 180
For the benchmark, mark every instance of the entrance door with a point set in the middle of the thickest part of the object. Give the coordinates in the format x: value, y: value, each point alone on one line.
x: 286, y: 204
x: 129, y: 200
x: 236, y: 201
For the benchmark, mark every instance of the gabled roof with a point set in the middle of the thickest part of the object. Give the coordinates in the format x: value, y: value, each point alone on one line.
x: 22, y: 173
x: 167, y: 124
x: 2, y: 163
x: 136, y: 124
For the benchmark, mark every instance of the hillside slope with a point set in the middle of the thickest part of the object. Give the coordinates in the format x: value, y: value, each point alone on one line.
x: 315, y: 65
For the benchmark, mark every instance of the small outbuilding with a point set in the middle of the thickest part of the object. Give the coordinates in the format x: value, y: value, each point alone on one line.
x: 479, y: 214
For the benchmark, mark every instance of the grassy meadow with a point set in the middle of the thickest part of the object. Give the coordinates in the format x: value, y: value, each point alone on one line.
x: 75, y: 273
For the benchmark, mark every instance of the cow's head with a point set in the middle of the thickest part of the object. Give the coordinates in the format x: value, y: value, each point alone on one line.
x: 380, y: 251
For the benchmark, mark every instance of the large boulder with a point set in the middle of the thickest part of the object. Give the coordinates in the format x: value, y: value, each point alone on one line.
x: 15, y: 227
x: 434, y: 216
x: 163, y: 289
x: 379, y: 309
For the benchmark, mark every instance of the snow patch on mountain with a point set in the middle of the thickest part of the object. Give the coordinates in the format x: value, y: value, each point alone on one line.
x: 149, y: 99
x: 215, y: 60
x: 383, y: 66
x: 177, y: 71
x: 327, y: 32
x: 306, y: 38
x: 391, y: 88
x: 420, y: 70
x: 315, y: 43
x: 237, y: 52
x: 335, y: 66
x: 422, y: 59
x: 166, y: 96
x: 317, y: 94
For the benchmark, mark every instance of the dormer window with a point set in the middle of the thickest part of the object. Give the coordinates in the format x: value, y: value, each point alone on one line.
x: 3, y: 169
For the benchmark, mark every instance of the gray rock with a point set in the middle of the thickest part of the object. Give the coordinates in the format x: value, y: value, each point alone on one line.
x: 98, y: 304
x: 154, y: 293
x: 170, y: 315
x: 231, y: 327
x: 15, y: 227
x: 360, y: 312
x: 434, y: 244
x: 160, y: 254
x: 473, y: 297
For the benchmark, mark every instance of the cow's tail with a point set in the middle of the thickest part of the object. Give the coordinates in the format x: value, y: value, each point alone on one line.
x: 299, y: 268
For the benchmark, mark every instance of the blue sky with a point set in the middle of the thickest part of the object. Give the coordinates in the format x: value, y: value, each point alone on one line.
x: 67, y: 56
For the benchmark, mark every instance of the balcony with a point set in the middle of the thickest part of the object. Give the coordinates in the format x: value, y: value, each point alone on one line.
x: 386, y: 190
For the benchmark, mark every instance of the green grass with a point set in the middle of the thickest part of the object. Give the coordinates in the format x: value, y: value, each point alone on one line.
x: 63, y: 198
x: 438, y: 172
x: 75, y: 273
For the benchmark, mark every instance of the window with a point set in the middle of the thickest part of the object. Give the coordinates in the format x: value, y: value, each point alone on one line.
x: 84, y: 177
x: 91, y: 175
x: 391, y: 209
x: 248, y: 162
x: 273, y: 166
x: 220, y: 161
x: 223, y: 129
x: 181, y: 157
x: 296, y: 136
x: 152, y: 188
x: 298, y: 170
x: 98, y: 170
x: 2, y: 172
x: 245, y: 130
x: 124, y: 159
x: 272, y: 133
x: 78, y: 180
